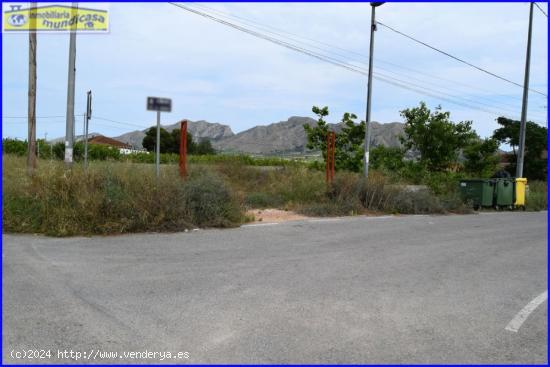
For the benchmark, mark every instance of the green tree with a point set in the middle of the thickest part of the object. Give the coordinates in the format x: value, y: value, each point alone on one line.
x: 481, y: 158
x: 204, y: 147
x: 349, y: 141
x: 150, y: 140
x: 176, y: 139
x: 536, y: 147
x: 437, y: 139
x: 388, y: 158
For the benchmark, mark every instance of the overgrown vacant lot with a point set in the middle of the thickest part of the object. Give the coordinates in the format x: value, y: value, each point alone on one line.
x: 122, y: 197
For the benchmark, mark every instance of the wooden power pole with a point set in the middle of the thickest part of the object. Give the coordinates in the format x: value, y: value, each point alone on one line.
x: 31, y: 154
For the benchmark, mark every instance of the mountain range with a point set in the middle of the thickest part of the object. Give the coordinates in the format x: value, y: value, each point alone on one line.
x: 277, y: 138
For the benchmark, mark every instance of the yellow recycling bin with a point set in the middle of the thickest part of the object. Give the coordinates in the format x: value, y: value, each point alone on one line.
x: 521, y: 183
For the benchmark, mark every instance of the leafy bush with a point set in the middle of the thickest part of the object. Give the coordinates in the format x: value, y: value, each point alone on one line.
x: 387, y: 158
x: 99, y: 152
x: 13, y: 146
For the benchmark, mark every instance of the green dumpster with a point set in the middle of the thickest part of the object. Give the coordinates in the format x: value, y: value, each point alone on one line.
x: 504, y: 192
x: 480, y: 192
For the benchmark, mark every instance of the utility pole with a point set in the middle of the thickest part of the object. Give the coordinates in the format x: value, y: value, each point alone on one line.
x: 87, y: 117
x: 523, y: 127
x: 31, y: 146
x: 369, y: 87
x: 69, y: 129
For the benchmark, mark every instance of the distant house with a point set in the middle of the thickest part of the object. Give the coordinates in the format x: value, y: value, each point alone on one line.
x: 122, y: 147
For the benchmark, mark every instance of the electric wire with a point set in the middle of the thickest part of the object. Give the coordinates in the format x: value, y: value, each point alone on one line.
x: 457, y: 58
x: 363, y: 56
x: 542, y: 11
x: 331, y: 60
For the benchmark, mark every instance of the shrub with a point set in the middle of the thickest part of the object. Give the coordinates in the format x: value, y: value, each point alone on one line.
x: 101, y: 152
x: 353, y: 194
x: 209, y: 201
x: 112, y: 198
x: 13, y: 146
x: 263, y: 200
x: 417, y: 202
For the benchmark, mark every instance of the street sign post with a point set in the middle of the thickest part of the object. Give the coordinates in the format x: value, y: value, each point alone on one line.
x: 160, y: 105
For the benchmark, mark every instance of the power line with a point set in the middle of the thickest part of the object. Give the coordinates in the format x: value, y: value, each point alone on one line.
x: 457, y: 58
x: 59, y: 121
x: 336, y: 62
x: 503, y: 106
x: 542, y: 11
x: 294, y: 36
x: 38, y: 117
x: 19, y: 122
x: 119, y: 122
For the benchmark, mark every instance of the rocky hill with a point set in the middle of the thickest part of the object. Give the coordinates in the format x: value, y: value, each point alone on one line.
x: 289, y: 137
x: 277, y: 138
x: 199, y: 129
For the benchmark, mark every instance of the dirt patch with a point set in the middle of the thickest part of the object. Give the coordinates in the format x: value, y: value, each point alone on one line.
x: 274, y: 215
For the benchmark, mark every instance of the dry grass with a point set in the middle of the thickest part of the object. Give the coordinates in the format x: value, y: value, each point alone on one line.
x: 112, y: 198
x: 121, y: 197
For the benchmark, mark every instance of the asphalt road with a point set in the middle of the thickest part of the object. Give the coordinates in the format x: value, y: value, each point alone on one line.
x: 414, y: 289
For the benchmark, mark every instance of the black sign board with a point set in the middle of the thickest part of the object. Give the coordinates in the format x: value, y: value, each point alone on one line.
x: 159, y: 104
x: 89, y: 105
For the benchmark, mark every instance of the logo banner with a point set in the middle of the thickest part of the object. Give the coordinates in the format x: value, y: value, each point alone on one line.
x: 51, y: 18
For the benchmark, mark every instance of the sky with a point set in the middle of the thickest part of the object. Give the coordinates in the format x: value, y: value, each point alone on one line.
x: 219, y: 74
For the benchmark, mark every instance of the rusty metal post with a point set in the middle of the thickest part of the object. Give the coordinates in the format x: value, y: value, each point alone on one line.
x: 330, y: 158
x: 183, y: 149
x: 327, y: 159
x: 332, y: 161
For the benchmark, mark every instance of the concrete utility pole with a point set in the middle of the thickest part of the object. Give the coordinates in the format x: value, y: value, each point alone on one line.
x: 69, y: 129
x: 523, y: 125
x: 31, y: 146
x: 369, y: 87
